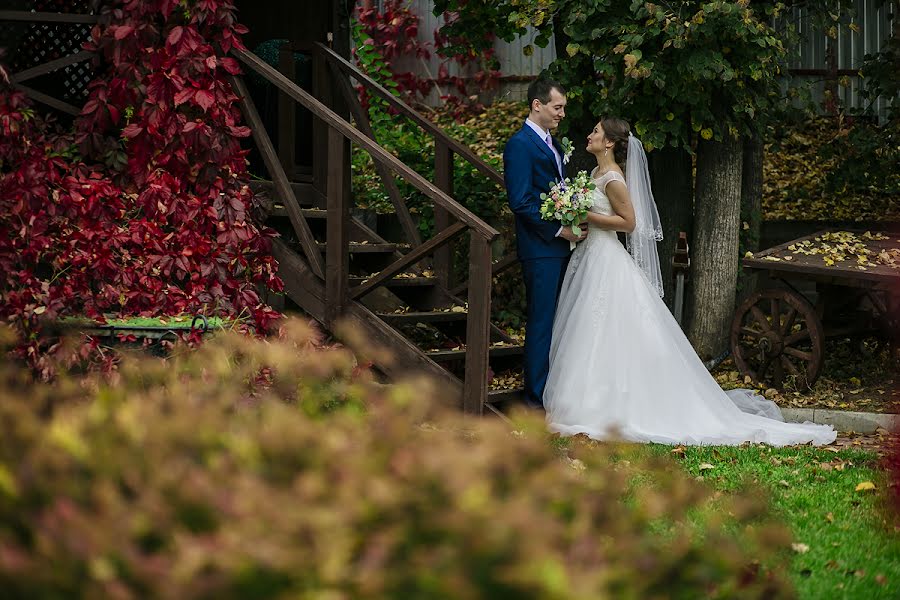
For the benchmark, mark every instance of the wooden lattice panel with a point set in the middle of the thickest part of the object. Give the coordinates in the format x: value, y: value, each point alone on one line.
x: 30, y: 44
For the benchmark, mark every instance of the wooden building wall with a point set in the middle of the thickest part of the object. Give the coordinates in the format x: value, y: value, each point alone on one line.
x: 303, y: 22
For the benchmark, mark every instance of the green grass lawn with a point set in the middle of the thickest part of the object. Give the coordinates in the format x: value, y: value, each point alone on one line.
x: 171, y: 322
x: 850, y: 547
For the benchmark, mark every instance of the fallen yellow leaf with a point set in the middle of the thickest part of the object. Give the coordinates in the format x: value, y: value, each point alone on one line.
x: 865, y: 486
x: 800, y: 548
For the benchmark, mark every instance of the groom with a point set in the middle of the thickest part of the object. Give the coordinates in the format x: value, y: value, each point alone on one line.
x: 532, y: 162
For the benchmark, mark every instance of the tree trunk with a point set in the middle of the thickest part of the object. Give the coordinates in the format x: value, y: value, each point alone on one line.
x: 670, y: 176
x: 751, y: 206
x: 717, y: 216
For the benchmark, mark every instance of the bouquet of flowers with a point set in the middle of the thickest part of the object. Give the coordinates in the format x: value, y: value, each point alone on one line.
x: 568, y: 202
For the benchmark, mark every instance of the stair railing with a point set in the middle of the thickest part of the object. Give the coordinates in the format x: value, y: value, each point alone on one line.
x: 338, y: 135
x: 445, y: 148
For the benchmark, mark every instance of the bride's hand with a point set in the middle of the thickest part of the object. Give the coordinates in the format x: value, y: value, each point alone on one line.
x: 569, y: 235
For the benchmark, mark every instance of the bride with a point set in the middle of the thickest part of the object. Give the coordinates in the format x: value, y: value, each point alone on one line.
x: 620, y: 366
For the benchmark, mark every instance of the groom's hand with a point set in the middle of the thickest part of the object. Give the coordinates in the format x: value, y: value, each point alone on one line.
x: 568, y: 234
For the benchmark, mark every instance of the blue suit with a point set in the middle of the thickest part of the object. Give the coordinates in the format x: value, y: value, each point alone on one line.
x: 530, y: 168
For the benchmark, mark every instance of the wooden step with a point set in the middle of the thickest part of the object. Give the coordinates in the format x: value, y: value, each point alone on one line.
x: 460, y: 354
x: 307, y: 290
x: 418, y: 281
x: 498, y: 396
x: 413, y: 317
x: 366, y: 247
x: 305, y: 193
x: 278, y: 210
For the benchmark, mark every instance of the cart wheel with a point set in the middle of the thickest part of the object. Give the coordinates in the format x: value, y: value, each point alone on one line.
x: 776, y: 335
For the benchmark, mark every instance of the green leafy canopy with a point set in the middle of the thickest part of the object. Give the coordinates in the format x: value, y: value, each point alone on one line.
x: 673, y: 69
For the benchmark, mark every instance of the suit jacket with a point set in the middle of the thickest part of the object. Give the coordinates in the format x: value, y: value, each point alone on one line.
x: 530, y: 169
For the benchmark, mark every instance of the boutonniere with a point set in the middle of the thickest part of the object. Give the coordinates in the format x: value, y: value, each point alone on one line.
x: 568, y: 147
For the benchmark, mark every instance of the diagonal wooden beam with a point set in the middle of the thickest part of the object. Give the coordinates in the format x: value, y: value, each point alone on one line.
x: 279, y: 177
x: 387, y: 177
x: 51, y: 66
x: 48, y: 100
x: 408, y: 259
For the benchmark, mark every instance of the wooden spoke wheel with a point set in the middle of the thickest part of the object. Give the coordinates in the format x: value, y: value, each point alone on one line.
x: 776, y: 337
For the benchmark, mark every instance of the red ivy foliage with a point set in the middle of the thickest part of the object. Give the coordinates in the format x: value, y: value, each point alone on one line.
x: 164, y: 227
x: 393, y: 32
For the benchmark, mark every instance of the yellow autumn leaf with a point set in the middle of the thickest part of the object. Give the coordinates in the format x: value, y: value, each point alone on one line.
x: 865, y: 486
x: 800, y: 548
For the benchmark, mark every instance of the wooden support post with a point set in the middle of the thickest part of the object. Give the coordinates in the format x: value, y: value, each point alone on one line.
x: 443, y: 178
x: 287, y: 113
x: 337, y: 253
x: 478, y: 325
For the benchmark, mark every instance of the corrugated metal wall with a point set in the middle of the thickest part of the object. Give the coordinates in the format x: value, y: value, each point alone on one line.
x: 514, y: 65
x: 873, y: 18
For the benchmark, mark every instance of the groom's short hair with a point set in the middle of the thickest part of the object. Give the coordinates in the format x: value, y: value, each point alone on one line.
x: 540, y: 89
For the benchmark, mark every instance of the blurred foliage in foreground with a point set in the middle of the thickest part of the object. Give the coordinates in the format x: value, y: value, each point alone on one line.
x: 271, y: 469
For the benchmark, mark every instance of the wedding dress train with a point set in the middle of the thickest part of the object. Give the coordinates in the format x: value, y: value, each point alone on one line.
x: 620, y: 366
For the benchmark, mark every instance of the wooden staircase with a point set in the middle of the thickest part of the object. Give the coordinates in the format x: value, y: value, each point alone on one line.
x: 398, y: 293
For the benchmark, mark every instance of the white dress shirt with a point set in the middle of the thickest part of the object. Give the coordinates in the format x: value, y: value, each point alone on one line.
x: 543, y: 134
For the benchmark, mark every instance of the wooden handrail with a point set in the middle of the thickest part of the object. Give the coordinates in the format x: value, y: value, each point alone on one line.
x: 47, y: 17
x: 435, y: 131
x: 377, y: 153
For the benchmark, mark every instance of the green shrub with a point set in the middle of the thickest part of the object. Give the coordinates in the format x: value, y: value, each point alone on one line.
x: 185, y: 478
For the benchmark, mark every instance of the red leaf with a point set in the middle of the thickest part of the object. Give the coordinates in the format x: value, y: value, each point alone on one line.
x: 230, y: 65
x: 123, y: 31
x: 175, y: 35
x: 205, y: 99
x: 132, y: 131
x: 183, y: 96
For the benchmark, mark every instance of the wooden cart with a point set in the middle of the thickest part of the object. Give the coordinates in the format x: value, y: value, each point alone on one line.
x: 851, y: 283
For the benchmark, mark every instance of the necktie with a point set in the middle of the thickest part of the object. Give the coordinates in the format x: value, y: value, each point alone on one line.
x: 549, y: 142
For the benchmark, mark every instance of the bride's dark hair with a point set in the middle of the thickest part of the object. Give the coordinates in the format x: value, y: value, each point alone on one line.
x: 617, y: 130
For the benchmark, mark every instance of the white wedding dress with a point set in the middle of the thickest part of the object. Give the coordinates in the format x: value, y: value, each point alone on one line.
x: 621, y: 368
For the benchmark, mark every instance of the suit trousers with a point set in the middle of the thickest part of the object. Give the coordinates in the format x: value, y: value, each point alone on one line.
x: 543, y: 281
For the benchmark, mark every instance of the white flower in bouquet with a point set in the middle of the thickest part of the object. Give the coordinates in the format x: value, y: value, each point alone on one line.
x: 568, y: 201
